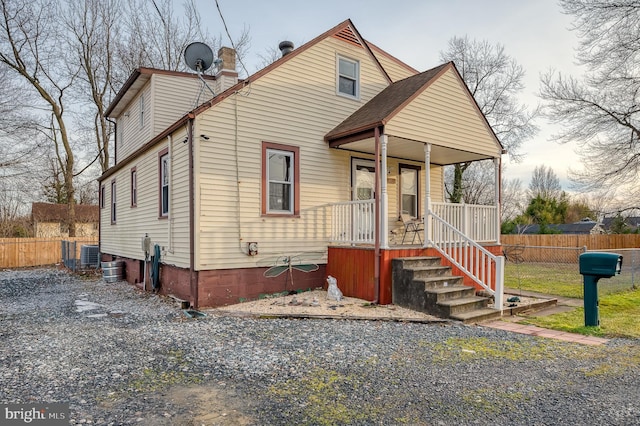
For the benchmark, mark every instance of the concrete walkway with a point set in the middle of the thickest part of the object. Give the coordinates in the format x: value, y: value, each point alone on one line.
x: 564, y: 304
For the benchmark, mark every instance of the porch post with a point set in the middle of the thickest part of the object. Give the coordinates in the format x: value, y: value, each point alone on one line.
x: 427, y: 191
x: 498, y: 201
x: 384, y: 200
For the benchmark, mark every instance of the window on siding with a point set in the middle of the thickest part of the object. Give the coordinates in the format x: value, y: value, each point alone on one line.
x: 101, y: 196
x: 348, y: 77
x: 142, y: 110
x: 113, y: 201
x: 164, y: 184
x: 409, y: 176
x: 280, y: 166
x: 134, y: 187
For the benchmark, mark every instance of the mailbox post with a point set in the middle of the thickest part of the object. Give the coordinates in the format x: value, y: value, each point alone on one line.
x: 594, y: 266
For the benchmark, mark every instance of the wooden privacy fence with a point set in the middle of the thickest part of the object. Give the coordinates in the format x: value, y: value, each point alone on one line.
x: 23, y: 252
x: 592, y: 242
x: 561, y: 248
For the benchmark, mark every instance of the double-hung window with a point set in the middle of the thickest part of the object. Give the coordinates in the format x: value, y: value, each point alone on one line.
x: 348, y: 77
x: 280, y: 181
x: 164, y: 182
x: 409, y: 203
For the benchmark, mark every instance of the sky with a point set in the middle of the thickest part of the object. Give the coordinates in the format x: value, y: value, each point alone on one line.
x: 534, y: 32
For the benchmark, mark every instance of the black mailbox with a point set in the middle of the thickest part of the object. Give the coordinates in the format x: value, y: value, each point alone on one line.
x: 603, y: 265
x: 594, y: 266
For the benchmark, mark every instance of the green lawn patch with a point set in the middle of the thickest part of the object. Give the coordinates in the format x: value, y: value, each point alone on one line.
x: 560, y: 279
x: 619, y: 317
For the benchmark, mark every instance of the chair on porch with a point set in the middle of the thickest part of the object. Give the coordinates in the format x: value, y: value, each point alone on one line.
x: 411, y: 225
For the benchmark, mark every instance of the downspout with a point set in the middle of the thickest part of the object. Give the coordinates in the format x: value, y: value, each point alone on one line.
x: 193, y: 279
x: 376, y: 267
x: 169, y: 248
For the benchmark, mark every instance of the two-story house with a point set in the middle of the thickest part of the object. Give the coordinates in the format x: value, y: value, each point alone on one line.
x: 325, y: 150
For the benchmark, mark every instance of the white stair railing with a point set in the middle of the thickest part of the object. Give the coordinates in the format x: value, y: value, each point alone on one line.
x: 473, y: 259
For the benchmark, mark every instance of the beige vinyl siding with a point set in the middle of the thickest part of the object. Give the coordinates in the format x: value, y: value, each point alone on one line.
x: 295, y: 104
x: 444, y: 115
x: 167, y: 98
x: 132, y: 135
x: 174, y: 96
x: 395, y: 70
x: 124, y: 237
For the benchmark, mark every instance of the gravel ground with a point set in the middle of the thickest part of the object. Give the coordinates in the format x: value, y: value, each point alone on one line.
x: 120, y: 357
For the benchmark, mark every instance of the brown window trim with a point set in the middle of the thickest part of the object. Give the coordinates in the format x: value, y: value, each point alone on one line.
x: 161, y: 154
x: 296, y: 179
x: 113, y: 204
x: 101, y: 196
x: 418, y: 169
x: 134, y: 191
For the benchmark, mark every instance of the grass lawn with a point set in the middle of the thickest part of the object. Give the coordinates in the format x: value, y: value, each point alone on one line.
x: 619, y: 317
x: 559, y: 279
x: 619, y: 310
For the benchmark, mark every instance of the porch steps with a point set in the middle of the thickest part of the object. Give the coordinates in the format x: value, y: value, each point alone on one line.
x: 424, y: 284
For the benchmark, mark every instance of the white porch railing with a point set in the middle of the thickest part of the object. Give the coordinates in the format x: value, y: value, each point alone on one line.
x: 478, y: 222
x: 353, y: 222
x: 469, y: 256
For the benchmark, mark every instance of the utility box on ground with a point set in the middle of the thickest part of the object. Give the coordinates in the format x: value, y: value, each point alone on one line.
x: 594, y: 266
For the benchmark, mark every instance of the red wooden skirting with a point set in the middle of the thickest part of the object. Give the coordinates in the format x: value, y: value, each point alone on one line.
x: 354, y: 268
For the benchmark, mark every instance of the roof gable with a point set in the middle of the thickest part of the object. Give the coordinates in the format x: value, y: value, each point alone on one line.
x: 385, y: 105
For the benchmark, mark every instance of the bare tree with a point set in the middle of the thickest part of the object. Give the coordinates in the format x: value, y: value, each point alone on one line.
x: 31, y: 48
x: 154, y: 36
x: 91, y: 29
x: 601, y: 109
x: 495, y: 81
x: 544, y: 184
x: 478, y: 183
x: 513, y: 200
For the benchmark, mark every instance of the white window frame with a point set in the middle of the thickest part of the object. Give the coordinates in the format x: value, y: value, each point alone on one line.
x: 355, y: 79
x: 416, y: 183
x: 290, y: 181
x: 164, y: 183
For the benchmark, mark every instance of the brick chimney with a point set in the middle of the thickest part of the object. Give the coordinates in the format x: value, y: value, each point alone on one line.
x: 226, y: 74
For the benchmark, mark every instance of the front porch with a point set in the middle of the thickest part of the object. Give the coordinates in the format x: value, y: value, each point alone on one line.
x: 399, y: 142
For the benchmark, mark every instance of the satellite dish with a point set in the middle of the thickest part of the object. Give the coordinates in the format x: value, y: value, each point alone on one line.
x: 198, y: 56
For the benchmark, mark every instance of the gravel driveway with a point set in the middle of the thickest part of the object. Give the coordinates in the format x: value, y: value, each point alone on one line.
x: 121, y: 357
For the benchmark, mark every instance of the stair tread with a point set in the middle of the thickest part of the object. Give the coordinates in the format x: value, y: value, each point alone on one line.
x: 462, y: 301
x: 419, y: 258
x: 427, y: 268
x: 447, y: 289
x: 439, y: 278
x: 466, y: 316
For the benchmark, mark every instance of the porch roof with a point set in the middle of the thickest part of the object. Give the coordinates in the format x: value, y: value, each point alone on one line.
x: 356, y: 133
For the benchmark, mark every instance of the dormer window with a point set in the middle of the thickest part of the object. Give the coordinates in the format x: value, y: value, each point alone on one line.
x: 348, y: 77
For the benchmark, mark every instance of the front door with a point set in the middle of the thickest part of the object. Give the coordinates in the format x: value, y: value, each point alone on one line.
x: 364, y: 184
